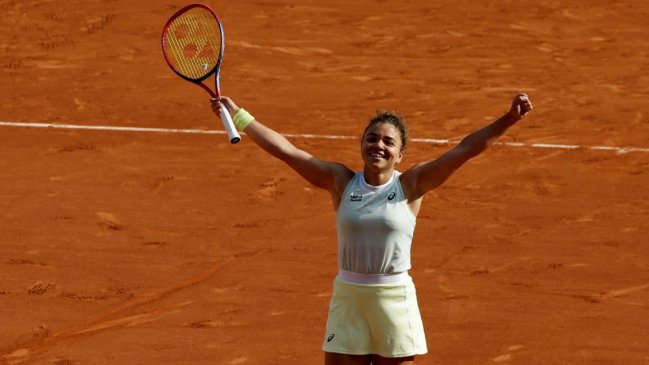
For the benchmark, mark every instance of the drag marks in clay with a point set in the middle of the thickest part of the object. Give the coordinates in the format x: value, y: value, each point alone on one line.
x: 111, y: 319
x: 508, y: 356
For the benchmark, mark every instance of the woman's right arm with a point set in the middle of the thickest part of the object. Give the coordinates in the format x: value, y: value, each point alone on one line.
x: 327, y: 175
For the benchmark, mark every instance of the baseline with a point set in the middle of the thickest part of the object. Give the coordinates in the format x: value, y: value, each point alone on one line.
x: 618, y: 150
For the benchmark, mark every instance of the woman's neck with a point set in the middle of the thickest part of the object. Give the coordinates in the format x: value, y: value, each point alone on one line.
x: 377, y: 178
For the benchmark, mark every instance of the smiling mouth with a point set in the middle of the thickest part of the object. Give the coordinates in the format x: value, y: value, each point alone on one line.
x: 376, y: 155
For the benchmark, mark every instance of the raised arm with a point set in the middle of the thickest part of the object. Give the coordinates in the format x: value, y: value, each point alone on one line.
x: 330, y: 176
x: 426, y: 176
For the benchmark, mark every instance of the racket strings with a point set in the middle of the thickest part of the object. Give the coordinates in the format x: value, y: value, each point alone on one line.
x: 193, y: 43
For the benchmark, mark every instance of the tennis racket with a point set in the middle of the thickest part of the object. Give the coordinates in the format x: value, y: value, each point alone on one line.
x: 192, y: 44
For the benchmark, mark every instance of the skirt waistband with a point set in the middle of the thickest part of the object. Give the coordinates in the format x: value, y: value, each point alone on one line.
x: 373, y: 279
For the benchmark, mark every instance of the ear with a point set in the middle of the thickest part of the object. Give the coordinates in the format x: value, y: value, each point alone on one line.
x: 399, y: 157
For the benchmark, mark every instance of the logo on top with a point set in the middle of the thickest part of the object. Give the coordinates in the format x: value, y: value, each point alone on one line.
x: 356, y: 197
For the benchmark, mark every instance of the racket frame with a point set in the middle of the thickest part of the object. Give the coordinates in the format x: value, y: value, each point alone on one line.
x: 224, y: 114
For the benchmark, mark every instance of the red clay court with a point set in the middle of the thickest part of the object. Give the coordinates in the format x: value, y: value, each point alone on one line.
x: 141, y: 247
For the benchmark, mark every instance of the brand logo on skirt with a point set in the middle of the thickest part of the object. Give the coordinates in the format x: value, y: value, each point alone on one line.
x: 330, y: 337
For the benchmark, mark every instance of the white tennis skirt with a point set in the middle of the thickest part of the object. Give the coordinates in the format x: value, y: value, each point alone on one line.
x: 374, y: 319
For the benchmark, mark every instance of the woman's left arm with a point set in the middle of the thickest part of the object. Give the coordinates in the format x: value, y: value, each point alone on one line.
x: 426, y: 176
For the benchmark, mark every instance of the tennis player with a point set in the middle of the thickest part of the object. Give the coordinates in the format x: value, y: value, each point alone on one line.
x: 373, y: 315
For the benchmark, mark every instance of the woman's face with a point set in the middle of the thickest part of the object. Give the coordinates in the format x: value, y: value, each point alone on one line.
x: 381, y: 147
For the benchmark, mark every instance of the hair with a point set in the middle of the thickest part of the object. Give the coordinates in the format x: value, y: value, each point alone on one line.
x: 391, y: 117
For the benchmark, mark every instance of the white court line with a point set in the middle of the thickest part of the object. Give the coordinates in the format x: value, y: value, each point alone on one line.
x: 619, y: 150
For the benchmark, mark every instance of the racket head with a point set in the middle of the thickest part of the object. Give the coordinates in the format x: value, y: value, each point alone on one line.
x: 193, y: 43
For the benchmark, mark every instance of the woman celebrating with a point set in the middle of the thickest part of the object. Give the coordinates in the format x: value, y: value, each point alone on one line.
x: 373, y: 315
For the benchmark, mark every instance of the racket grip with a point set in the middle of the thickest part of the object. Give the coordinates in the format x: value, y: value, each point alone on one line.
x: 233, y: 135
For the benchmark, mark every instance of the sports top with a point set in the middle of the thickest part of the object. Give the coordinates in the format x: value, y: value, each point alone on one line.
x: 375, y: 227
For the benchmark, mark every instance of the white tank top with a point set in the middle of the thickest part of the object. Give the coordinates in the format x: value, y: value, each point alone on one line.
x: 375, y: 227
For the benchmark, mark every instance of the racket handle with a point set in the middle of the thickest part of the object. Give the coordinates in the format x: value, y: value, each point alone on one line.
x: 233, y: 135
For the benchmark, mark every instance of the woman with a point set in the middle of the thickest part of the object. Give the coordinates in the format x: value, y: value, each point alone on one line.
x: 373, y: 314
